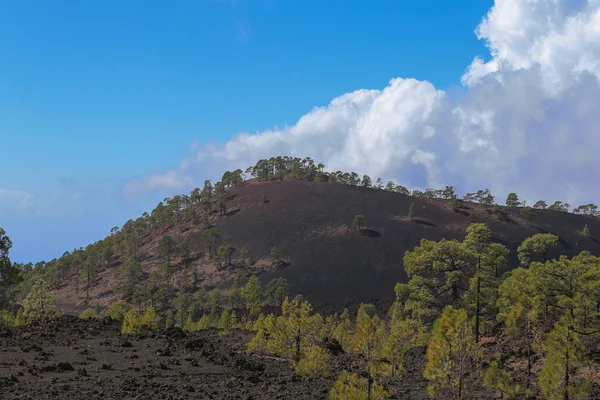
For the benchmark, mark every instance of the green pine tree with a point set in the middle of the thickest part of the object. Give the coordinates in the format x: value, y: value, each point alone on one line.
x: 586, y: 231
x: 40, y: 302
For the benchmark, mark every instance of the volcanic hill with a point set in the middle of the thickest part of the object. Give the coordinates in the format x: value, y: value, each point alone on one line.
x: 327, y: 259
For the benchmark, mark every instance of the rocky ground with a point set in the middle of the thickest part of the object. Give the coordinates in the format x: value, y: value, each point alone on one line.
x: 75, y: 359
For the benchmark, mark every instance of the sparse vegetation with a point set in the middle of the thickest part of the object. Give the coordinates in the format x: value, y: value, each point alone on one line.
x: 513, y: 200
x: 528, y: 212
x: 132, y: 323
x: 118, y: 310
x: 89, y: 313
x: 39, y: 303
x: 358, y: 221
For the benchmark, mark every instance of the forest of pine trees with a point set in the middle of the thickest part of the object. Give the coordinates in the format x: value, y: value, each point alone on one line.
x: 457, y: 294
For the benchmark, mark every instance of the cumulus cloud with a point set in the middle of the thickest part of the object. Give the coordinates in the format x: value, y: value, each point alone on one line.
x: 561, y: 37
x: 528, y: 121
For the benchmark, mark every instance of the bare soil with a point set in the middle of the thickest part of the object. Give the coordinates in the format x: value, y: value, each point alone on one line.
x: 76, y: 359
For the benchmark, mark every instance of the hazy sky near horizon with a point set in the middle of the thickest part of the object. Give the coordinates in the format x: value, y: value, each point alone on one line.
x: 108, y: 107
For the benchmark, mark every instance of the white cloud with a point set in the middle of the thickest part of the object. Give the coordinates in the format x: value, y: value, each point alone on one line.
x: 171, y: 180
x: 562, y: 37
x: 528, y: 121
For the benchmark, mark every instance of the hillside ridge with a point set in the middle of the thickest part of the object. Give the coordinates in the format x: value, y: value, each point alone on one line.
x: 328, y: 260
x: 294, y: 221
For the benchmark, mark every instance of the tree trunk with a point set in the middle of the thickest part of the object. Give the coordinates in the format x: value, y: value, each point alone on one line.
x: 297, y: 355
x: 528, y: 381
x: 477, y: 312
x: 369, y: 383
x: 478, y: 307
x: 566, y: 394
x: 454, y: 292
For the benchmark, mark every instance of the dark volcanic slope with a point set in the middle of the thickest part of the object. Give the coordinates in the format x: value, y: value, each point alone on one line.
x: 310, y: 224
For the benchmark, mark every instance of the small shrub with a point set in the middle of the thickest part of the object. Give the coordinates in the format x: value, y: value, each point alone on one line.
x: 314, y: 363
x: 89, y: 313
x: 586, y: 231
x: 118, y: 310
x: 170, y: 322
x: 358, y: 221
x: 6, y: 319
x: 20, y: 319
x: 351, y: 386
x: 132, y: 323
x: 150, y: 319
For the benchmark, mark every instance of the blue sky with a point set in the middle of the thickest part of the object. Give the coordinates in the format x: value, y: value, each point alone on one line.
x: 93, y: 94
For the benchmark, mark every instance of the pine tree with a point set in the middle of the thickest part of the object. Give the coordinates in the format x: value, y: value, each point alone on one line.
x: 224, y: 320
x: 350, y: 386
x: 290, y: 334
x: 252, y: 295
x: 7, y: 320
x: 189, y: 325
x: 501, y: 382
x: 118, y: 310
x: 276, y: 291
x: 203, y: 322
x: 295, y: 329
x: 343, y: 331
x: 411, y: 211
x: 586, y: 231
x: 233, y: 323
x: 40, y: 302
x: 184, y: 302
x: 439, y: 275
x: 170, y: 320
x: 150, y: 319
x: 518, y: 305
x: 130, y: 277
x: 401, y: 338
x: 132, y: 323
x: 358, y: 221
x: 490, y: 259
x: 536, y: 245
x: 513, y: 200
x: 314, y: 362
x: 20, y: 319
x: 367, y: 341
x: 451, y: 354
x: 89, y: 313
x: 571, y: 287
x: 560, y: 377
x: 258, y: 344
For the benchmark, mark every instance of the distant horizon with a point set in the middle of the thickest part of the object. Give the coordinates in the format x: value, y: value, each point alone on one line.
x: 112, y: 107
